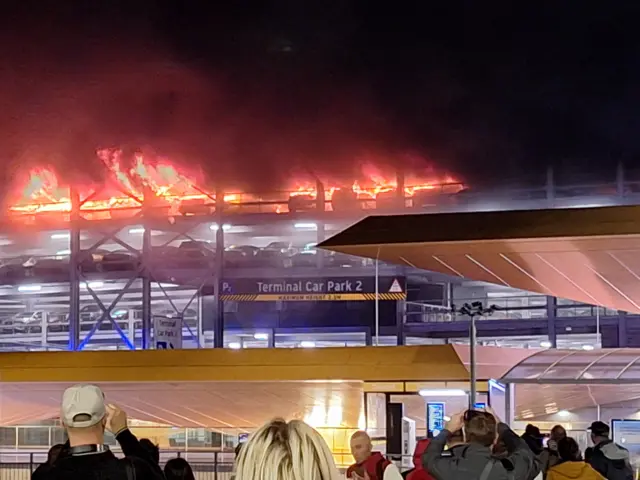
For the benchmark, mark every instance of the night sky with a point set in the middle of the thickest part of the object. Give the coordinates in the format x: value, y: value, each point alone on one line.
x: 253, y: 90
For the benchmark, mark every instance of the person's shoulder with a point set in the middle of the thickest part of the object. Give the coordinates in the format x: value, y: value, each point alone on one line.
x: 593, y: 474
x: 392, y: 472
x: 137, y: 463
x: 142, y: 466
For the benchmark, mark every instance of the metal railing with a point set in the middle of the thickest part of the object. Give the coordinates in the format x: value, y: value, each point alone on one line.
x: 508, y: 308
x: 209, y: 466
x: 205, y: 465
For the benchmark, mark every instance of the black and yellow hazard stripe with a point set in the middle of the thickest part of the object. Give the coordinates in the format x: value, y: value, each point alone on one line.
x: 313, y: 297
x: 240, y: 298
x: 385, y: 296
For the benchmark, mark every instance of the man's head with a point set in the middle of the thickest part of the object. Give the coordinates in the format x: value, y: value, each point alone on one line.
x: 569, y: 450
x: 84, y: 414
x: 480, y: 428
x: 361, y: 446
x: 599, y: 432
x: 558, y: 433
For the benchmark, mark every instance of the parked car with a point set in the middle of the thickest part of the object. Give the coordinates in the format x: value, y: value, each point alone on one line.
x: 24, y: 322
x: 241, y: 256
x: 120, y: 261
x: 276, y: 254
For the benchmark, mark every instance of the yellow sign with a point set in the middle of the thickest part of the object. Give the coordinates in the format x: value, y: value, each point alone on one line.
x: 330, y: 297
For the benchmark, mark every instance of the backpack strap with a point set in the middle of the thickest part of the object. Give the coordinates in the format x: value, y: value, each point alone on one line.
x: 487, y: 470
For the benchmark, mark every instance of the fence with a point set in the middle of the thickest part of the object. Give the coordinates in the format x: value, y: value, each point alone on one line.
x: 205, y: 465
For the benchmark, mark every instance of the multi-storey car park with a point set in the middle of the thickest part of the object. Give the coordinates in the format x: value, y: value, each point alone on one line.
x: 87, y: 268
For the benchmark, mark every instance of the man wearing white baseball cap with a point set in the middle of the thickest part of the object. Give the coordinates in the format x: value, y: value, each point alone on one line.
x: 85, y: 416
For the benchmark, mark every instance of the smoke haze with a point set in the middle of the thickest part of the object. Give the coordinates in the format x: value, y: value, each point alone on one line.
x: 249, y: 91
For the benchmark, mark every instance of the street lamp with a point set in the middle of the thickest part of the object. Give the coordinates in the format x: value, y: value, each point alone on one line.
x: 473, y: 310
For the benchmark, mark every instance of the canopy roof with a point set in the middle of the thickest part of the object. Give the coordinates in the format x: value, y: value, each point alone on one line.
x: 578, y: 366
x: 588, y: 255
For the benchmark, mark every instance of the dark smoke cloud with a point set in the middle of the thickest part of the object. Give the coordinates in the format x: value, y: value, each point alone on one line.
x: 65, y: 94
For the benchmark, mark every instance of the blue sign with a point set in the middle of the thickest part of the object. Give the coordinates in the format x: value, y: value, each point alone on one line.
x: 435, y: 417
x: 479, y: 406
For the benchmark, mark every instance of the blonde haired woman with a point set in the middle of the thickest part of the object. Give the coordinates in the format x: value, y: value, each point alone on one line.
x: 286, y: 451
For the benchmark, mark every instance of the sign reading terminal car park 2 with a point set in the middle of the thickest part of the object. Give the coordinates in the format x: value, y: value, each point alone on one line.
x: 330, y: 289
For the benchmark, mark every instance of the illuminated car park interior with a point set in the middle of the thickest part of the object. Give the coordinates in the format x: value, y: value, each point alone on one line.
x: 27, y: 302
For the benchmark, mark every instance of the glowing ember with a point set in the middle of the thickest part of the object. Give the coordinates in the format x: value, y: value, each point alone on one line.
x: 171, y: 187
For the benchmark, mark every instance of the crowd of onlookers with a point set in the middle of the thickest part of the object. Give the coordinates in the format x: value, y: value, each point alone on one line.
x: 474, y: 445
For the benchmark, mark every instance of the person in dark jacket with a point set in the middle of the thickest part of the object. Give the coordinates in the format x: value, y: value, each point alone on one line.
x: 55, y: 452
x: 455, y: 444
x: 178, y: 469
x: 533, y: 437
x: 607, y: 458
x: 85, y: 417
x: 550, y: 456
x: 481, y: 430
x: 152, y: 449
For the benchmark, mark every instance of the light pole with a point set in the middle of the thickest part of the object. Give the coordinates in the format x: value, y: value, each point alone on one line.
x: 473, y: 310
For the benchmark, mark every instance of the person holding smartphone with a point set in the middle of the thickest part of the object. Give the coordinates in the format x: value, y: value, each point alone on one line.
x: 481, y: 430
x: 86, y: 416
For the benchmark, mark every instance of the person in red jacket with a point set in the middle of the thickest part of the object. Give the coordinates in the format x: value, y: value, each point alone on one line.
x: 419, y: 473
x: 369, y: 465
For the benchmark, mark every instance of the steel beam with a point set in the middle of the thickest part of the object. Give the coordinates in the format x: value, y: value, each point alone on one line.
x: 74, y: 268
x: 218, y: 319
x: 401, y: 316
x: 146, y: 275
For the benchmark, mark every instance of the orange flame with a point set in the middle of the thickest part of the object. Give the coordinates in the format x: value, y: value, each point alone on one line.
x: 43, y: 193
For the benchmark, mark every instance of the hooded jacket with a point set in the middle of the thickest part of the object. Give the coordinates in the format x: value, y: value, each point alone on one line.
x: 573, y: 471
x: 419, y: 473
x: 611, y: 461
x: 520, y: 463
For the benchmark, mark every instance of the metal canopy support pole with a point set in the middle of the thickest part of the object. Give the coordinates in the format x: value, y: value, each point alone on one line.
x: 377, y: 304
x: 472, y: 361
x: 510, y: 403
x: 74, y: 277
x: 551, y: 321
x: 146, y: 274
x: 218, y: 320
